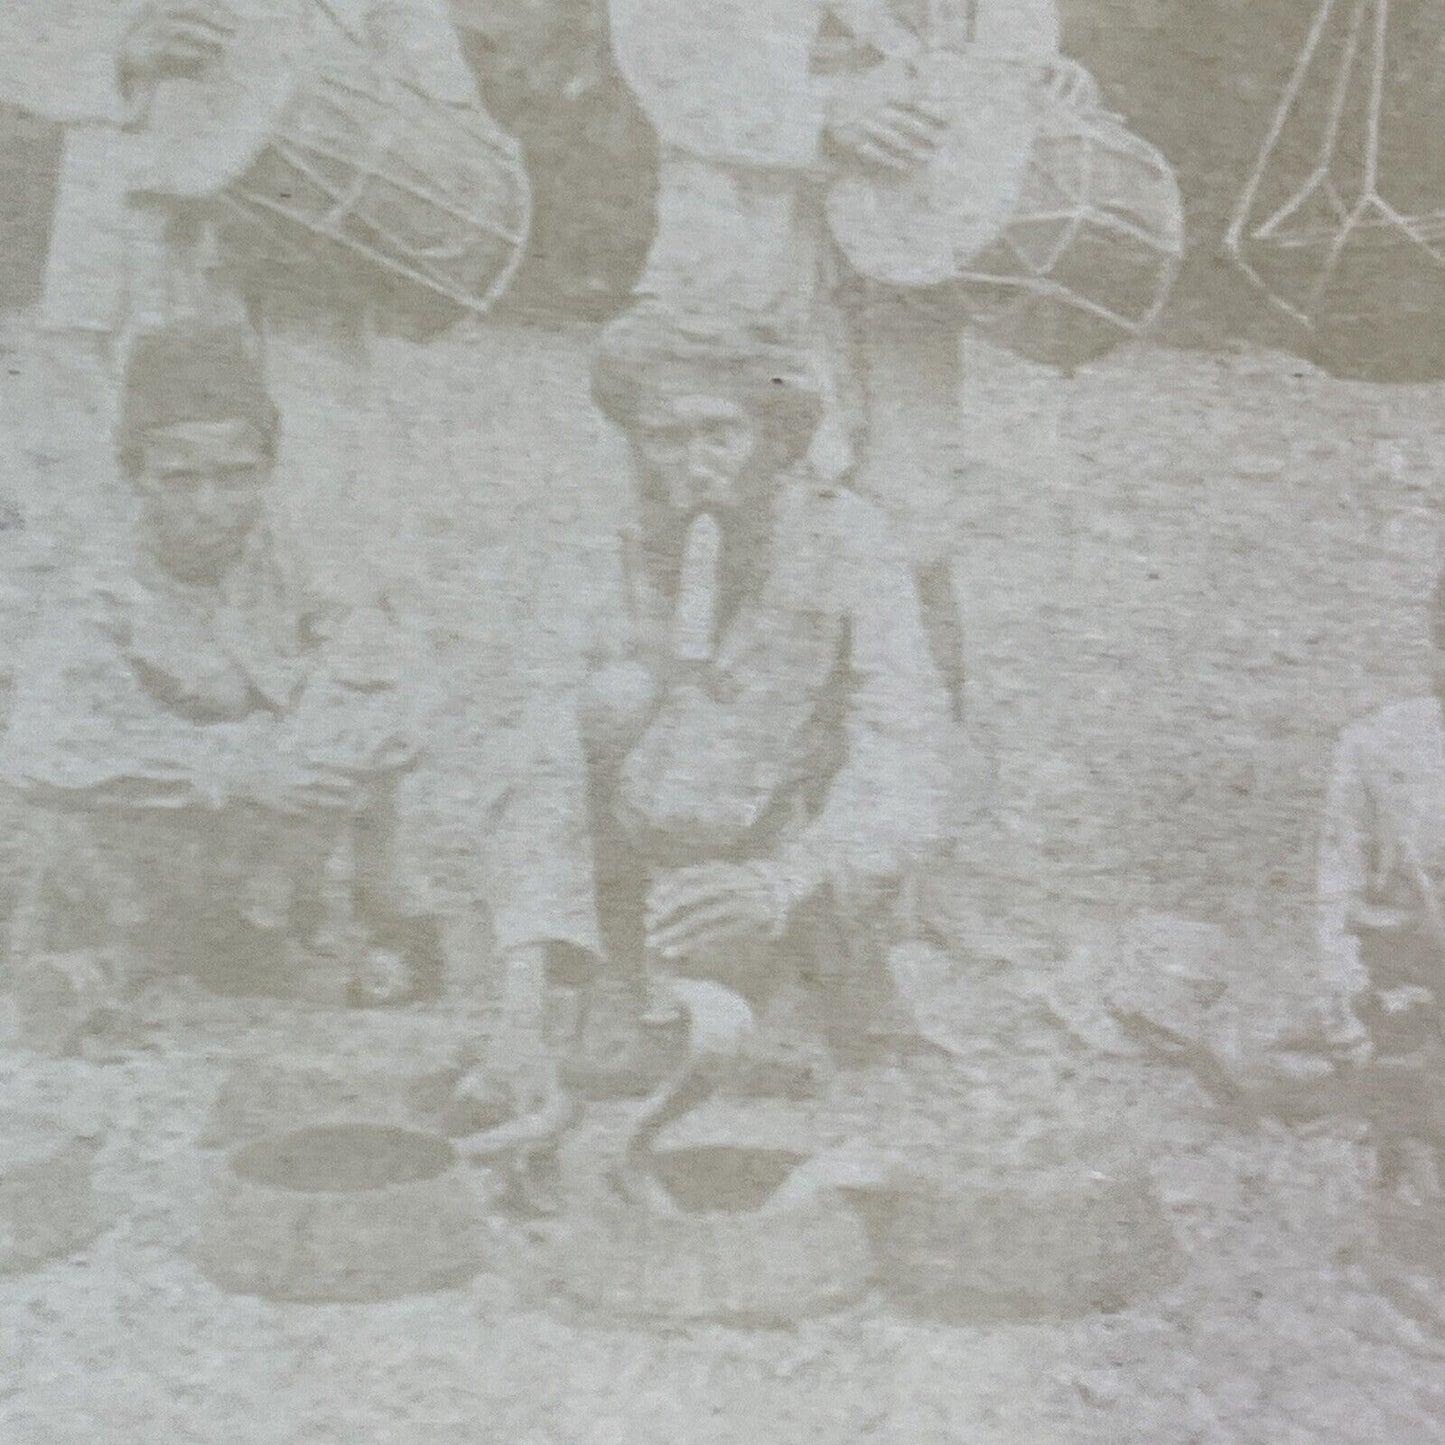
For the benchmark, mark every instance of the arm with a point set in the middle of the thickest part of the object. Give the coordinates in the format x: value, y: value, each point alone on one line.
x: 82, y: 727
x: 368, y: 704
x: 887, y: 805
x: 537, y: 839
x: 537, y: 833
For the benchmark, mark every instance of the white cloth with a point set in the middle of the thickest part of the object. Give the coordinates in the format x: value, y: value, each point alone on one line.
x: 57, y: 57
x: 1385, y: 814
x: 726, y: 80
x: 707, y: 770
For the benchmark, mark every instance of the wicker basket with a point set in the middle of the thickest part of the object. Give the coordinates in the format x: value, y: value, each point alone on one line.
x: 342, y: 1213
x: 736, y: 1221
x: 993, y: 1246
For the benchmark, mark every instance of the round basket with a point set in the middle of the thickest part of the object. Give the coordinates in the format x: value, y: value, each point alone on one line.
x: 342, y: 1213
x: 731, y: 1224
x: 982, y: 1248
x: 48, y: 1206
x: 793, y: 1259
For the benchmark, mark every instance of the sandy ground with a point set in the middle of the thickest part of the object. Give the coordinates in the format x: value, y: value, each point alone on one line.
x: 1269, y: 1334
x: 1189, y: 575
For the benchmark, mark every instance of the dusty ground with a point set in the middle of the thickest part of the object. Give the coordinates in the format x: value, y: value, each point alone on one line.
x: 1269, y: 1335
x: 1189, y: 575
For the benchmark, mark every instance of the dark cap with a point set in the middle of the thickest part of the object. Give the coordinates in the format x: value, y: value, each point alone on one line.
x: 192, y: 372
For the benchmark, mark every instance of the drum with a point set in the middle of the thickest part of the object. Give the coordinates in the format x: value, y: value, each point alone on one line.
x: 1342, y: 221
x: 370, y: 184
x: 327, y: 171
x: 1052, y: 226
x: 1089, y: 255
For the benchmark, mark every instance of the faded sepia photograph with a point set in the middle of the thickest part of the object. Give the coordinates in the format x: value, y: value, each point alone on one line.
x: 722, y: 721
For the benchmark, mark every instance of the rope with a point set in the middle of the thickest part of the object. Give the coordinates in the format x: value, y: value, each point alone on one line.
x: 1364, y: 43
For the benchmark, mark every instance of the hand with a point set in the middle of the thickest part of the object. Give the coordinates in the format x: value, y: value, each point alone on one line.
x: 361, y: 756
x: 384, y: 978
x: 173, y: 38
x: 699, y: 911
x: 356, y: 732
x: 880, y: 121
x: 495, y: 1094
x: 1383, y: 919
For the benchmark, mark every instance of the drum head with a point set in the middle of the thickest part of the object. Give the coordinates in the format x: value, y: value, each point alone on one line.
x: 919, y: 229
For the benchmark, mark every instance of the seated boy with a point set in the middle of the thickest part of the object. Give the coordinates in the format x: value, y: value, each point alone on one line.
x: 209, y: 760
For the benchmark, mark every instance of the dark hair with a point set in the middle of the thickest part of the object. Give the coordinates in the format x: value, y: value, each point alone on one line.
x: 744, y: 360
x: 192, y: 372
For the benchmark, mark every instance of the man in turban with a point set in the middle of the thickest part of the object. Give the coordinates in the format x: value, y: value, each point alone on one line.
x: 766, y: 732
x: 759, y: 106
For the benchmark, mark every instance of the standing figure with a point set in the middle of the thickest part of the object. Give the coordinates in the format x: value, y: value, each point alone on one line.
x: 208, y: 755
x: 766, y: 732
x: 335, y: 339
x: 759, y: 105
x: 548, y: 75
x: 181, y: 100
x: 1381, y: 919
